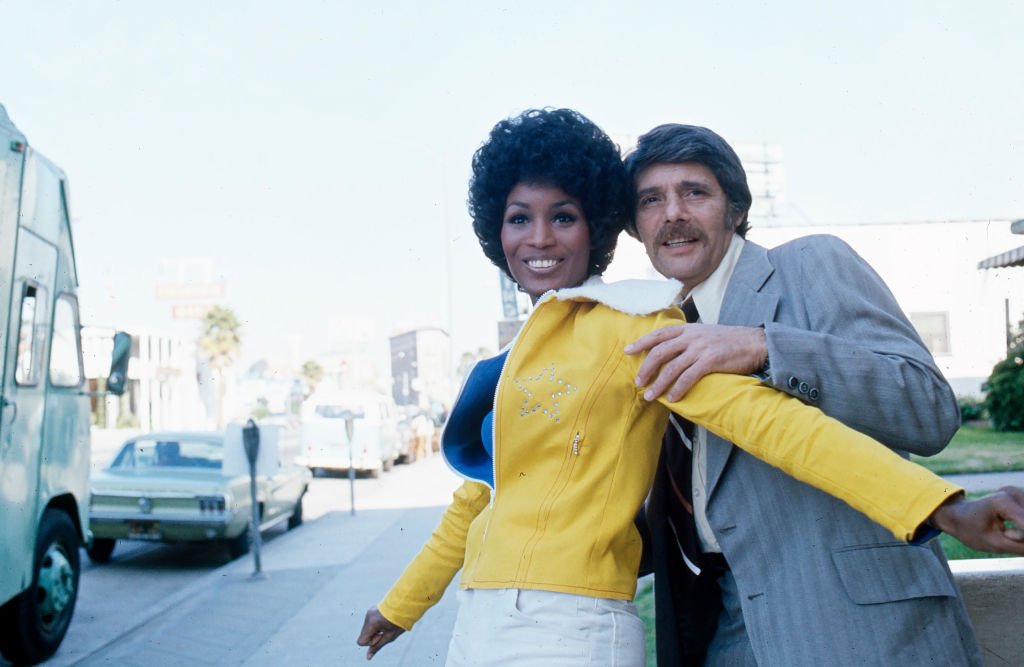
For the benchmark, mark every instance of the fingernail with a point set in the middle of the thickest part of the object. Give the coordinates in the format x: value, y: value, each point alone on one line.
x: 629, y: 349
x: 648, y: 395
x: 637, y: 382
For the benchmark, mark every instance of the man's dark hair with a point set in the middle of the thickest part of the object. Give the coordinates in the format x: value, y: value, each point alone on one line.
x: 550, y: 147
x: 673, y: 144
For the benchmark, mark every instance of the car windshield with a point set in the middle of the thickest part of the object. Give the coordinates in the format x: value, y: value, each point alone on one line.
x: 338, y: 411
x: 170, y: 453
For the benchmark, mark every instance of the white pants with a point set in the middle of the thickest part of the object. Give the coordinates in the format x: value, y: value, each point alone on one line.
x: 527, y: 628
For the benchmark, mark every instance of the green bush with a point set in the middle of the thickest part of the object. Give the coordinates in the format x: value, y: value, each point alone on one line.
x: 972, y: 408
x: 1004, y: 399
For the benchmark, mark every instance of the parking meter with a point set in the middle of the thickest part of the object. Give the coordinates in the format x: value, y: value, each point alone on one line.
x: 350, y: 428
x: 251, y: 442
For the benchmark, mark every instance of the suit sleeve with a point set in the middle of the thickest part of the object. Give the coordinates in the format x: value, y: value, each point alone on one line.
x: 428, y: 575
x: 858, y: 351
x: 816, y: 449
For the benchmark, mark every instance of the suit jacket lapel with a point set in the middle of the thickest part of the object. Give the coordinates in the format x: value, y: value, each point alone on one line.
x: 744, y: 305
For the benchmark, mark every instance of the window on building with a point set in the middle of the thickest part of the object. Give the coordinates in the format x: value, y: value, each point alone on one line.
x: 65, y: 350
x: 934, y: 331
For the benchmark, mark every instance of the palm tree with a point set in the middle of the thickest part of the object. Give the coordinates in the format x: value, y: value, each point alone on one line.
x: 219, y: 343
x: 312, y: 373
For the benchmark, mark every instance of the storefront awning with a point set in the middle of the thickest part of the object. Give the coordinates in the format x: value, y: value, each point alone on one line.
x: 1013, y: 257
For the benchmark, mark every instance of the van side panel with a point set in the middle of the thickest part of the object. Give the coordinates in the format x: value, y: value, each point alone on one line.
x: 44, y: 410
x: 10, y: 182
x: 65, y: 442
x: 20, y: 441
x: 12, y: 551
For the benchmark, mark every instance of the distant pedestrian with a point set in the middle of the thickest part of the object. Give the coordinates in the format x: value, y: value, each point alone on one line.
x: 422, y: 432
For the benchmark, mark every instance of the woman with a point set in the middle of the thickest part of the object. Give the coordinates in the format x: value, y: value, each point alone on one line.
x: 558, y: 445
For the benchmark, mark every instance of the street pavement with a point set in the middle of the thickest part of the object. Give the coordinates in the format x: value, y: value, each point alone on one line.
x: 308, y: 607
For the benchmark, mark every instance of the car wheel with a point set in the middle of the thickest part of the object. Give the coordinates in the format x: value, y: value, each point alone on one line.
x: 238, y: 546
x: 295, y: 520
x: 388, y: 464
x: 101, y: 550
x: 36, y: 620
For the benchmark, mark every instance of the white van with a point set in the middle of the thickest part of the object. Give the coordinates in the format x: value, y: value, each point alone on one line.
x: 44, y: 405
x: 375, y: 441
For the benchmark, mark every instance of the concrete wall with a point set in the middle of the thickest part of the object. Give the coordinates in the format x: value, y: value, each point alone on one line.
x: 993, y: 590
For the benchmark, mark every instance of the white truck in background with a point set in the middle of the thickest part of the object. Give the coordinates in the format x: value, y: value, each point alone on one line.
x: 44, y: 405
x: 375, y: 438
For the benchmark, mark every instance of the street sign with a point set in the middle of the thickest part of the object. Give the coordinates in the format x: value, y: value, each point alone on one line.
x: 190, y: 311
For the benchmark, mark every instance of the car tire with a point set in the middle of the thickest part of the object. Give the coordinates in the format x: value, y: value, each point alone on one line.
x: 101, y: 550
x: 239, y: 545
x: 35, y: 621
x: 295, y: 520
x: 388, y: 464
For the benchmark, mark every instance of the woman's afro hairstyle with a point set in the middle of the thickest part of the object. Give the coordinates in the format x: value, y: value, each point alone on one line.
x: 553, y: 147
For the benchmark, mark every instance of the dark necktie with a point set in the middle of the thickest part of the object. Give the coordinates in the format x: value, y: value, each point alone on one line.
x: 677, y: 452
x: 690, y: 310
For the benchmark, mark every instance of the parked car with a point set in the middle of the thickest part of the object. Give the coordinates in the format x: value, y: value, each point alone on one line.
x: 170, y: 487
x: 375, y: 440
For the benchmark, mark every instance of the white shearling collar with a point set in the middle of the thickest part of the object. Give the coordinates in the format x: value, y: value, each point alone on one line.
x: 633, y: 297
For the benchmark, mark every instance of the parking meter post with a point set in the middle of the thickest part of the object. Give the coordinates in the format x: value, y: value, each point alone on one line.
x: 349, y: 432
x: 251, y: 440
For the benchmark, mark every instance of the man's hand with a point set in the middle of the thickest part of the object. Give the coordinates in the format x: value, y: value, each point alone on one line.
x: 377, y: 632
x: 981, y: 523
x: 684, y: 353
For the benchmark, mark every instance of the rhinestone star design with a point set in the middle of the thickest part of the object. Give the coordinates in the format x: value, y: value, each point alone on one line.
x: 543, y: 393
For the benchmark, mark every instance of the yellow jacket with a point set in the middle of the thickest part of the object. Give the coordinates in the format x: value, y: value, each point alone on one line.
x: 575, y: 447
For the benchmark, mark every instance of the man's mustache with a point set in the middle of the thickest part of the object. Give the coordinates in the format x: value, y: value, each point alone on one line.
x: 676, y: 230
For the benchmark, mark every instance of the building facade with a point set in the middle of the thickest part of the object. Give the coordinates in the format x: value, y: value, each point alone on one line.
x: 421, y: 369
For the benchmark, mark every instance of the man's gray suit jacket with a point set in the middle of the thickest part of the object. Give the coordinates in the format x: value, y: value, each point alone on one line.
x: 821, y: 584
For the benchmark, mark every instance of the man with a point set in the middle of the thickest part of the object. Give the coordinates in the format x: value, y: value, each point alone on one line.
x: 802, y: 578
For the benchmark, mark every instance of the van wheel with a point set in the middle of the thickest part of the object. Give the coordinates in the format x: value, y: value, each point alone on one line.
x: 238, y: 546
x: 101, y: 550
x: 37, y: 619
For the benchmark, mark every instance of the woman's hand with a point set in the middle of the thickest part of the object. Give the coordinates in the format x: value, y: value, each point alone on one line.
x: 377, y: 632
x: 982, y: 524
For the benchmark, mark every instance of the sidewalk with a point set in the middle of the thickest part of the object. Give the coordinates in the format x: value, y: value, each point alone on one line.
x: 988, y: 481
x: 307, y: 611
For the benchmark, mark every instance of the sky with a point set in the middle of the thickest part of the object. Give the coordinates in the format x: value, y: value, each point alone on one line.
x: 318, y: 152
